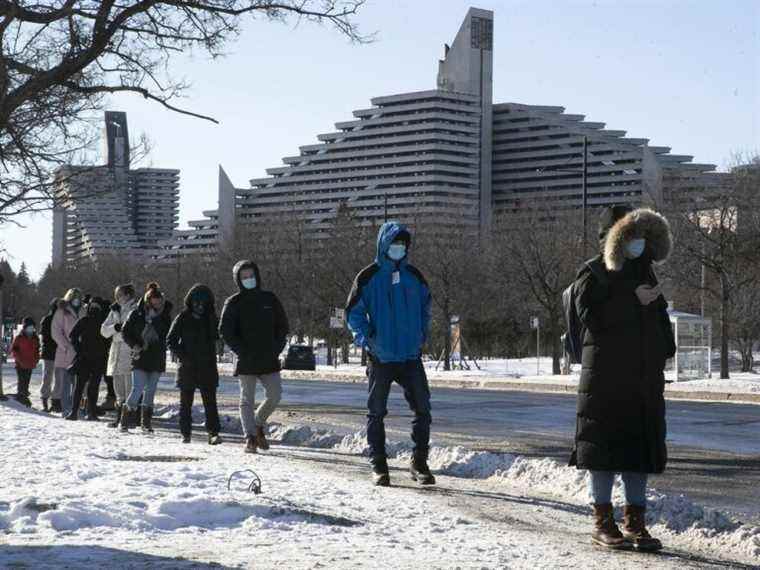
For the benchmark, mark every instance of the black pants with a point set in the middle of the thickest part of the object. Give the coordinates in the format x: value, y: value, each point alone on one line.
x: 208, y: 395
x: 410, y: 375
x: 109, y: 384
x: 24, y: 376
x: 89, y: 378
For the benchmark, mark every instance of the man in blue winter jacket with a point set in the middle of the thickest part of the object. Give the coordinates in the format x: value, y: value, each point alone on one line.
x: 388, y: 313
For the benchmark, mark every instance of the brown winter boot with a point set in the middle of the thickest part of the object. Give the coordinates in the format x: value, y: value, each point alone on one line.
x: 261, y: 439
x: 635, y: 532
x: 250, y: 444
x: 606, y: 533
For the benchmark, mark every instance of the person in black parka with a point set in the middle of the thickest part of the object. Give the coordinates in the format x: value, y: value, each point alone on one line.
x: 193, y: 339
x: 49, y: 389
x: 145, y: 333
x: 620, y: 426
x: 91, y: 356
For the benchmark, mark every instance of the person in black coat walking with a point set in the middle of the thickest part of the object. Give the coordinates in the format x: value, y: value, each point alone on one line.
x: 49, y: 390
x: 255, y: 327
x: 193, y: 340
x: 90, y: 360
x: 145, y: 333
x: 620, y: 426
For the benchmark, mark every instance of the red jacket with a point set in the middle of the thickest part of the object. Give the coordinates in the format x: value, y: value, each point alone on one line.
x: 26, y: 351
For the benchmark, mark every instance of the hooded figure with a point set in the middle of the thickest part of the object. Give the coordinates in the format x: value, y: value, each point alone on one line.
x: 388, y: 312
x: 193, y: 338
x: 90, y: 361
x: 48, y: 344
x: 620, y: 425
x: 255, y: 327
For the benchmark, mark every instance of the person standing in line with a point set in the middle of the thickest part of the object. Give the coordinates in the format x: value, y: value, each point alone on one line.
x: 50, y: 390
x: 120, y: 354
x: 145, y: 333
x: 388, y: 313
x: 193, y: 338
x: 255, y: 327
x: 25, y: 350
x: 620, y: 423
x: 64, y: 320
x: 90, y: 362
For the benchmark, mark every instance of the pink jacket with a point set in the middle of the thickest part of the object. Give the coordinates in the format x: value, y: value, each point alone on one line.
x: 64, y: 320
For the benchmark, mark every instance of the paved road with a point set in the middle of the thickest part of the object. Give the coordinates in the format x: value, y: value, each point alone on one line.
x: 714, y: 447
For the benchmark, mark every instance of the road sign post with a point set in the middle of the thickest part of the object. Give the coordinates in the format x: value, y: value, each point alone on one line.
x: 535, y: 323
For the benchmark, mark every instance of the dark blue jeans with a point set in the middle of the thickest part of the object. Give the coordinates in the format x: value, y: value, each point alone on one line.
x: 410, y: 375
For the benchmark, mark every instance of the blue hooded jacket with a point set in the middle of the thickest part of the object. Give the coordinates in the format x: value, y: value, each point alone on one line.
x: 388, y: 309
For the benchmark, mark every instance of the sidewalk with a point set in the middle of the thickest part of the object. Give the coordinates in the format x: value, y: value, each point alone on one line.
x: 736, y: 390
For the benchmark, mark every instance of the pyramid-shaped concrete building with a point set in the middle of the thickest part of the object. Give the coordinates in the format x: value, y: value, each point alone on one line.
x: 448, y: 154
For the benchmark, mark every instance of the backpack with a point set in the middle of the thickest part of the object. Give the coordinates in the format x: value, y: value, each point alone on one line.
x: 572, y: 340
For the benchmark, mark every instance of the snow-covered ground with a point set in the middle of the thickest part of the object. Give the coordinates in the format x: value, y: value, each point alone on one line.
x: 76, y: 494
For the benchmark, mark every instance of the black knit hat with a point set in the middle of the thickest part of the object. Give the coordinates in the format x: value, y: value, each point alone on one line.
x: 611, y: 215
x: 28, y: 322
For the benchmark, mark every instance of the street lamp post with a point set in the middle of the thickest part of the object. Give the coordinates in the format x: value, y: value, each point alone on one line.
x: 584, y: 185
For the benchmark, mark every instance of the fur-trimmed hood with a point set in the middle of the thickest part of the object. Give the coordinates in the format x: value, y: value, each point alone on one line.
x: 640, y: 223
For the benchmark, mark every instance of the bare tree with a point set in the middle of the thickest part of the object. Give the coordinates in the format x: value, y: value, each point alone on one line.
x: 539, y: 253
x: 717, y: 236
x: 60, y: 58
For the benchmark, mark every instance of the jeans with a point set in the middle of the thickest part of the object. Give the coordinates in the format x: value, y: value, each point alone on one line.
x: 143, y: 384
x: 410, y: 375
x: 208, y: 395
x: 634, y: 485
x: 49, y: 388
x: 273, y: 387
x: 65, y: 381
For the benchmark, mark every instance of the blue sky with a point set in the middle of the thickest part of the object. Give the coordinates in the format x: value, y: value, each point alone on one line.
x: 685, y: 74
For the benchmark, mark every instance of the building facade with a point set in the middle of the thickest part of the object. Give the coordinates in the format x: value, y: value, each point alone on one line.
x: 451, y: 155
x: 112, y: 210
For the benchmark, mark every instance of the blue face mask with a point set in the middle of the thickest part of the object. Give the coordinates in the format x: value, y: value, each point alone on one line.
x: 29, y: 331
x: 635, y: 248
x: 75, y: 303
x: 249, y: 283
x: 397, y: 251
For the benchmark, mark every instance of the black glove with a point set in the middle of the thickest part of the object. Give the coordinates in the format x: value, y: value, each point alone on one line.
x: 117, y: 327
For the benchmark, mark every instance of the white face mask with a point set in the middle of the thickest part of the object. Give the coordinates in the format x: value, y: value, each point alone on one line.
x: 635, y: 248
x: 249, y: 283
x: 29, y: 331
x: 76, y: 303
x: 397, y: 251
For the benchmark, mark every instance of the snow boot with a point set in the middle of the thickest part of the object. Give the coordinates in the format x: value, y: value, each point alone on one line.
x: 73, y: 415
x: 420, y: 472
x: 635, y: 531
x: 261, y: 439
x: 606, y: 533
x: 92, y: 412
x: 45, y: 407
x: 126, y: 414
x: 55, y: 405
x: 147, y: 418
x: 380, y: 475
x: 117, y: 419
x: 250, y: 444
x: 186, y: 438
x: 108, y: 406
x: 214, y: 439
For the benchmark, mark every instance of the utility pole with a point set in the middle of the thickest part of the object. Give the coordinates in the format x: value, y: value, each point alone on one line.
x: 585, y: 194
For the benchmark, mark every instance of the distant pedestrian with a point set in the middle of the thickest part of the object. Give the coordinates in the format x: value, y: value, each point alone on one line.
x: 193, y: 338
x: 255, y: 328
x: 620, y: 426
x: 90, y: 361
x: 50, y: 389
x: 67, y: 315
x: 145, y: 332
x: 120, y: 354
x: 388, y: 312
x: 25, y: 350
